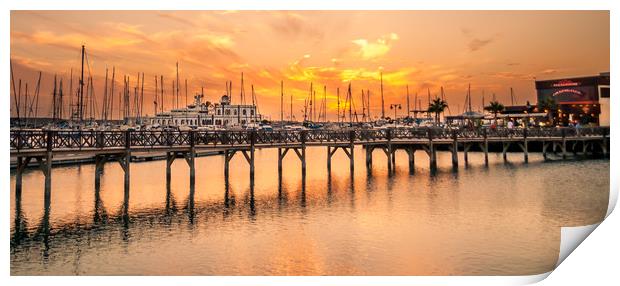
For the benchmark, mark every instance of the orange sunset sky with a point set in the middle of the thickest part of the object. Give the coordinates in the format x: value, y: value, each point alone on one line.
x: 491, y: 50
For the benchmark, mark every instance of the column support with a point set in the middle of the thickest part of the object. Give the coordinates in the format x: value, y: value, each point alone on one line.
x: 431, y: 149
x: 486, y: 147
x: 466, y: 147
x: 329, y: 159
x: 411, y: 156
x: 455, y: 150
x: 505, y: 146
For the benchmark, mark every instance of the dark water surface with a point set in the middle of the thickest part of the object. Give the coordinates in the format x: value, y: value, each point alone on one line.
x: 504, y: 219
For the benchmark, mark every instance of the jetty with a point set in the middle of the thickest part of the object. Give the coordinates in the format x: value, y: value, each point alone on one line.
x: 42, y: 146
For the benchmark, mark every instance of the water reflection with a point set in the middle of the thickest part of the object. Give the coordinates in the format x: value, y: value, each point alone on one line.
x: 501, y: 219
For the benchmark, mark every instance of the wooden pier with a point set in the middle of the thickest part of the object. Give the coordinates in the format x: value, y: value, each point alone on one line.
x: 110, y: 146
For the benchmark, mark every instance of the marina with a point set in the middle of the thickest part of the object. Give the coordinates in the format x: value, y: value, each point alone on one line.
x: 314, y: 143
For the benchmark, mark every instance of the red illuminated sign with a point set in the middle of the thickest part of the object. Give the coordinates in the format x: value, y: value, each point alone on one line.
x: 564, y: 83
x: 568, y: 90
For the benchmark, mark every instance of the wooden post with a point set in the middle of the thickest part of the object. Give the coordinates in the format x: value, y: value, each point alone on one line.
x: 169, y: 160
x: 191, y: 159
x: 544, y: 149
x: 393, y: 158
x: 563, y: 144
x: 432, y: 153
x: 486, y: 147
x: 22, y: 163
x: 127, y: 158
x: 525, y: 149
x: 252, y: 149
x: 584, y: 148
x: 18, y: 175
x: 227, y: 163
x: 280, y: 162
x: 389, y: 150
x: 604, y: 143
x: 455, y: 150
x: 369, y: 150
x: 99, y: 162
x: 352, y: 148
x: 411, y: 153
x: 505, y: 146
x: 304, y: 134
x: 466, y: 147
x: 48, y: 160
x: 329, y: 159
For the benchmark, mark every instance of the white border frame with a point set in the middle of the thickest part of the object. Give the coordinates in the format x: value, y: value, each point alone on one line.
x: 598, y: 253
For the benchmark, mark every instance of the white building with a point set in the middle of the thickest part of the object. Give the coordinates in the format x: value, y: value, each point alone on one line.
x: 222, y: 114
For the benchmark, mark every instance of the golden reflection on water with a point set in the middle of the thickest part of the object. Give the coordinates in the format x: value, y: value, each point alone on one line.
x: 503, y: 219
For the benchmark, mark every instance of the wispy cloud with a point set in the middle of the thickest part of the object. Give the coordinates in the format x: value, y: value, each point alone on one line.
x: 476, y: 43
x: 176, y: 18
x: 293, y: 25
x: 376, y: 49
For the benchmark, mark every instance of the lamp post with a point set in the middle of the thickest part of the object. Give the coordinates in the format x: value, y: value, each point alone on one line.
x: 395, y: 106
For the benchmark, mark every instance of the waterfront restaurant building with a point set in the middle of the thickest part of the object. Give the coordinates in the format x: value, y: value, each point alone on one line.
x: 580, y: 99
x: 221, y: 114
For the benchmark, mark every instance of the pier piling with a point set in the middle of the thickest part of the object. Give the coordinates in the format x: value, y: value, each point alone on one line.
x: 455, y: 150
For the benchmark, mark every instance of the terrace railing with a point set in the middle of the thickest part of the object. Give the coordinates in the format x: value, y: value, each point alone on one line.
x: 21, y: 140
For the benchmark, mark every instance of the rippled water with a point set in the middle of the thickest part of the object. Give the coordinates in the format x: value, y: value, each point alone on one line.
x: 504, y: 219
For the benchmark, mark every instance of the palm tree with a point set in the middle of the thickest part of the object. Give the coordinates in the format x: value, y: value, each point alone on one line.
x: 494, y: 107
x: 548, y: 105
x: 437, y: 106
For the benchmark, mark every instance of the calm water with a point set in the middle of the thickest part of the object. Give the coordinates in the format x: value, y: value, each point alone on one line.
x: 504, y: 219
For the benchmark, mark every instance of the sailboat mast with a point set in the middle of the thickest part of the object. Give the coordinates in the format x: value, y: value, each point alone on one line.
x: 112, y: 93
x: 36, y: 107
x: 368, y: 103
x: 408, y: 109
x: 15, y: 97
x: 382, y: 99
x: 324, y: 103
x: 281, y: 103
x: 81, y: 98
x: 104, y: 109
x: 350, y: 104
x: 177, y: 91
x: 469, y: 97
x: 60, y: 95
x: 54, y: 101
x: 163, y: 102
x: 338, y: 104
x: 291, y: 107
x: 141, y: 97
x: 156, y: 98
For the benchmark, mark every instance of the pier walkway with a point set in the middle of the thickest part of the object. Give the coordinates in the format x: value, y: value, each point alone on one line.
x: 42, y: 146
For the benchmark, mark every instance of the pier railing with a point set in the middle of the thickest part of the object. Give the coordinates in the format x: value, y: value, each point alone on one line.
x: 23, y: 140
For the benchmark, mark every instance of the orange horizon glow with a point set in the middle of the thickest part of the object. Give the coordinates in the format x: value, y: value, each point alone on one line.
x: 424, y: 50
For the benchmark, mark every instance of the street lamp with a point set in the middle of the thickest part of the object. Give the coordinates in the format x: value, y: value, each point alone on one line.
x: 395, y: 106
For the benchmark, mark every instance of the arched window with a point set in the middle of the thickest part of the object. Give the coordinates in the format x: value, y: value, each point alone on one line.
x: 227, y: 112
x: 235, y: 112
x: 245, y: 112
